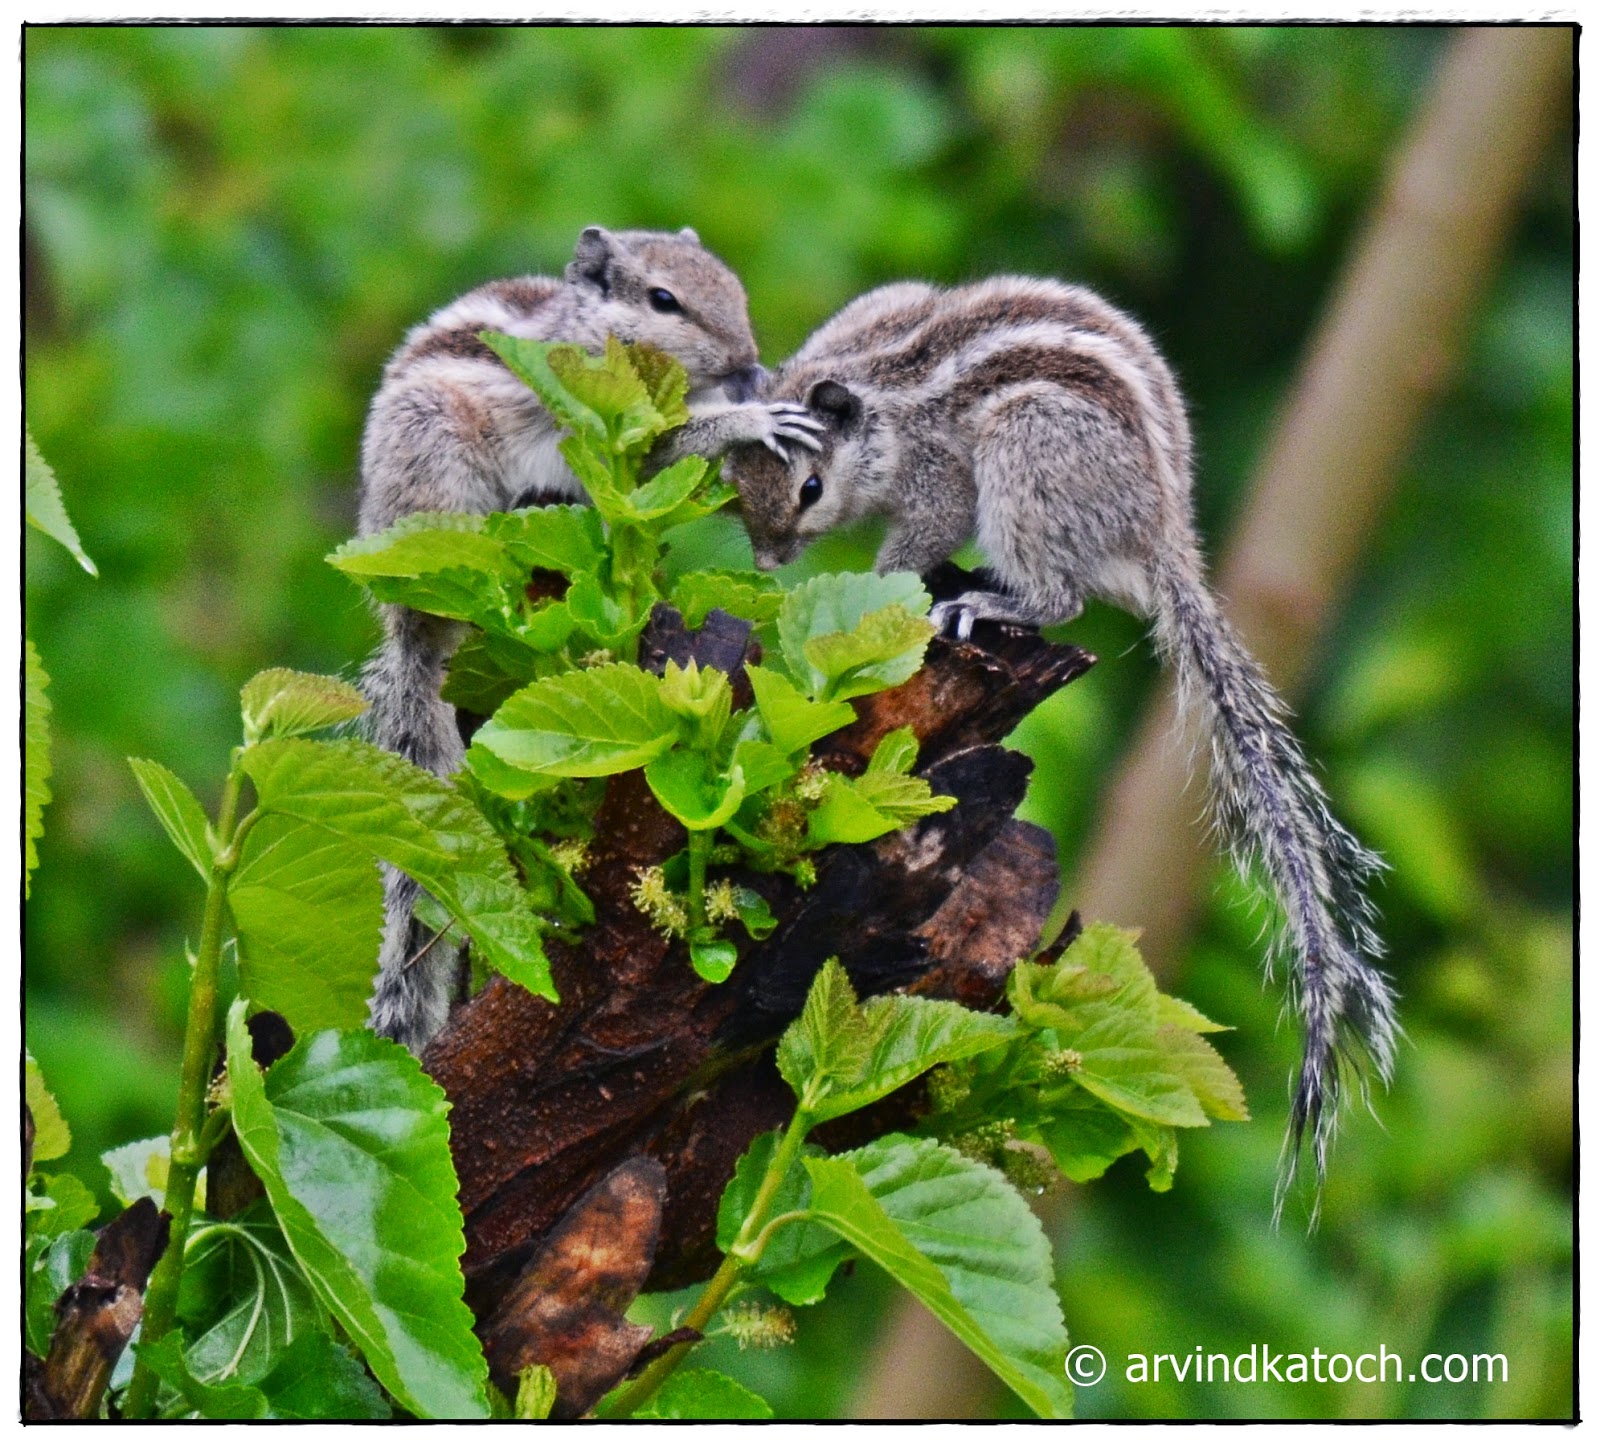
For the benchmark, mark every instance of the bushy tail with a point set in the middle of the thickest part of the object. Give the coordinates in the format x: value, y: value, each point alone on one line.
x: 1270, y: 806
x: 417, y: 976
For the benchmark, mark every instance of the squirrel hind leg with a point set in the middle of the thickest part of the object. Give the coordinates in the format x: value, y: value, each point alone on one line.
x: 959, y: 614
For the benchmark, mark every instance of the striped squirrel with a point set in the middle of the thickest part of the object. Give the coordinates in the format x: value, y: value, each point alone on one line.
x: 452, y: 429
x: 1041, y: 420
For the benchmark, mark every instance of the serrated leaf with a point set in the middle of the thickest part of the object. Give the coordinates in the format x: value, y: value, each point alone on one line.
x: 583, y: 724
x: 1112, y: 1028
x: 349, y: 1137
x: 600, y: 615
x: 883, y: 650
x: 244, y: 1301
x: 308, y: 908
x: 845, y: 815
x: 536, y: 1393
x: 1185, y: 1015
x: 703, y: 1394
x: 44, y: 507
x: 895, y: 754
x: 685, y: 784
x: 828, y: 1040
x: 423, y: 543
x: 793, y: 721
x: 51, y: 1136
x: 1214, y: 1084
x: 901, y: 799
x: 50, y: 1266
x: 418, y: 823
x: 318, y: 1378
x: 907, y: 1037
x: 486, y: 669
x: 531, y: 361
x: 837, y: 604
x: 502, y: 779
x: 751, y: 595
x: 35, y: 758
x: 799, y: 1258
x: 280, y: 702
x: 763, y: 765
x: 664, y: 379
x: 178, y: 810
x: 565, y: 539
x: 965, y: 1243
x: 166, y: 1360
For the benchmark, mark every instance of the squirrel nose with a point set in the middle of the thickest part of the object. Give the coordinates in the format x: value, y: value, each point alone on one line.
x: 745, y: 383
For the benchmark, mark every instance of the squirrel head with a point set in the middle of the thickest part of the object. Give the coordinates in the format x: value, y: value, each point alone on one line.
x: 665, y: 289
x: 785, y: 504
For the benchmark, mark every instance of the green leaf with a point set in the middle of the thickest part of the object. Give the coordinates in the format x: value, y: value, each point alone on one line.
x: 308, y: 906
x: 59, y: 1204
x: 565, y: 539
x: 425, y: 543
x: 751, y: 595
x: 318, y: 1378
x: 487, y: 668
x: 754, y: 913
x: 1214, y: 1084
x: 664, y: 379
x: 666, y: 489
x: 908, y: 1036
x: 1185, y: 1015
x: 837, y: 604
x: 531, y: 360
x: 244, y: 1300
x: 139, y: 1170
x: 51, y: 1136
x: 503, y: 780
x: 845, y: 814
x: 35, y: 758
x: 1084, y: 1137
x: 178, y: 811
x: 1101, y: 1001
x: 799, y: 1258
x: 703, y: 1394
x: 883, y: 650
x: 43, y: 505
x: 763, y: 765
x: 50, y: 1266
x: 536, y: 1393
x: 828, y: 1041
x: 583, y: 724
x: 895, y: 754
x: 284, y: 703
x: 348, y: 1135
x: 713, y: 960
x: 793, y: 720
x: 960, y: 1238
x: 685, y: 784
x: 418, y: 823
x: 600, y: 615
x: 207, y: 1401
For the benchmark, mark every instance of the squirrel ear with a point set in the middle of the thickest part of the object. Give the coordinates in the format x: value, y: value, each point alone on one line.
x: 591, y: 260
x: 839, y: 406
x: 689, y: 234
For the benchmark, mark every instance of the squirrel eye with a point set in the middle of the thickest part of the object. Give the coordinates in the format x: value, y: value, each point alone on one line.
x: 810, y: 491
x: 663, y: 300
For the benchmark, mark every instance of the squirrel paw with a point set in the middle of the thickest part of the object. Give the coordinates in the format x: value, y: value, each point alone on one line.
x: 788, y: 422
x: 955, y: 618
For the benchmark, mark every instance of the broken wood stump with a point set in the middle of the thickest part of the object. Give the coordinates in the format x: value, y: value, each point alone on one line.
x: 643, y: 1058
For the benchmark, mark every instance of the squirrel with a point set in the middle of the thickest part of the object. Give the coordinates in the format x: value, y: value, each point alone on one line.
x: 1038, y: 418
x: 452, y: 429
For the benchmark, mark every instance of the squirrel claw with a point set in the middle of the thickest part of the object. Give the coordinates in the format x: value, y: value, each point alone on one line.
x: 962, y: 616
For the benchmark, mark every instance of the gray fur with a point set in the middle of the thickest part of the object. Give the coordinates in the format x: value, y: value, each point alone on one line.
x: 1041, y: 420
x: 451, y: 429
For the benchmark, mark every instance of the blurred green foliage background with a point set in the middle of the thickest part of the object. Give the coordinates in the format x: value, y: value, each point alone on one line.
x: 227, y: 230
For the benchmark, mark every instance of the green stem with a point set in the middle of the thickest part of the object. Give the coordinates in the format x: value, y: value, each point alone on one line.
x: 746, y: 1251
x: 699, y: 856
x: 190, y: 1140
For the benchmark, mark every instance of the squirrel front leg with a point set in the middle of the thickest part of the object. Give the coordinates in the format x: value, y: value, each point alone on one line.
x: 714, y: 430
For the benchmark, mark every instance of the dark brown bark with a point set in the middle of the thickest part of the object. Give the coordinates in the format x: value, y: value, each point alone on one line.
x: 96, y: 1318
